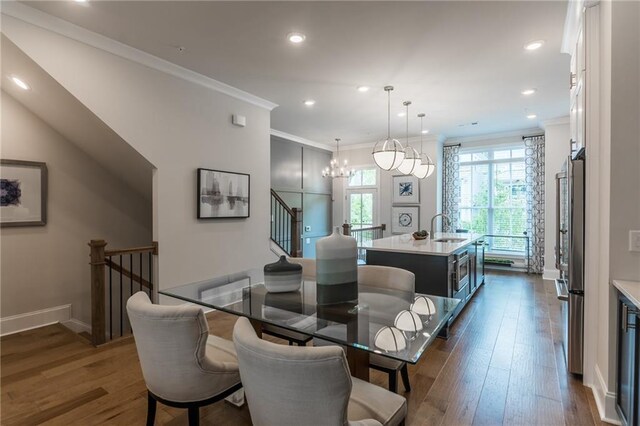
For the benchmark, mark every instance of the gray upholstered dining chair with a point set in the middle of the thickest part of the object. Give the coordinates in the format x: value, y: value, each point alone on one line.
x: 385, y: 277
x: 388, y: 277
x: 308, y: 386
x: 182, y: 364
x: 308, y: 273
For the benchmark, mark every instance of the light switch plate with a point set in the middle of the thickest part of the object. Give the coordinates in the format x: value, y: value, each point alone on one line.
x: 634, y: 241
x: 308, y: 241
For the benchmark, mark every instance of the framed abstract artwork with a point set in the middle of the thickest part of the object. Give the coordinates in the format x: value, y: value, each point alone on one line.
x: 23, y: 193
x: 405, y: 220
x: 406, y: 190
x: 223, y: 195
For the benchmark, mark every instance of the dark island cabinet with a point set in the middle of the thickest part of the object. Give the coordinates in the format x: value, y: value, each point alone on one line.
x: 627, y: 395
x: 439, y: 275
x: 479, y: 245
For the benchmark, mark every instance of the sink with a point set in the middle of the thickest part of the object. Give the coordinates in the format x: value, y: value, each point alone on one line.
x: 449, y: 240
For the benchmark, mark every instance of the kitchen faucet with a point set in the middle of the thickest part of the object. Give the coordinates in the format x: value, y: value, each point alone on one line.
x: 444, y: 216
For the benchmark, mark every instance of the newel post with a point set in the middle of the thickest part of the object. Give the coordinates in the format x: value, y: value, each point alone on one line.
x: 98, y: 326
x: 346, y: 229
x: 296, y: 237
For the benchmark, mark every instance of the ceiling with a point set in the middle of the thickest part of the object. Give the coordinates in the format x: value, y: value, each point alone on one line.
x: 457, y: 61
x: 54, y: 105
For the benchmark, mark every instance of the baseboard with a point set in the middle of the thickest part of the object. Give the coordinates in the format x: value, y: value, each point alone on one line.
x: 77, y: 326
x: 605, y: 400
x: 35, y: 319
x: 550, y: 274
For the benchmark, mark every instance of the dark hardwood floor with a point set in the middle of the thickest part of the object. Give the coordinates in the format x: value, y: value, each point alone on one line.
x: 502, y: 365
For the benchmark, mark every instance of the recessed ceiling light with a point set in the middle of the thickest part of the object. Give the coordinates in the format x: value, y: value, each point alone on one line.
x: 402, y: 114
x: 363, y: 89
x: 531, y: 116
x: 309, y: 102
x: 21, y: 84
x: 296, y: 38
x: 424, y: 132
x: 533, y: 45
x: 81, y: 1
x: 528, y: 92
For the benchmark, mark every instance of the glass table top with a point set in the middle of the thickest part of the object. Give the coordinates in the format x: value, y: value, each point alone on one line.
x: 358, y: 325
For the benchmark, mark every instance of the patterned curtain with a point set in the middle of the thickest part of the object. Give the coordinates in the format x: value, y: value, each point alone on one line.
x: 451, y: 186
x: 534, y: 169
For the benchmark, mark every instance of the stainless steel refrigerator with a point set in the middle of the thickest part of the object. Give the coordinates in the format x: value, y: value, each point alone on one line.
x: 569, y: 253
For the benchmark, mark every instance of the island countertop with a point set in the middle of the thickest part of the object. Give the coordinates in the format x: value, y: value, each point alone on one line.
x: 430, y: 246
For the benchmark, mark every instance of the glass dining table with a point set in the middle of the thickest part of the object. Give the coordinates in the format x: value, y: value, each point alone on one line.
x: 356, y: 326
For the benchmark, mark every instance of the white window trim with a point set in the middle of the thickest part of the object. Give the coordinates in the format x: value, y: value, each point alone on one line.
x: 491, y: 149
x: 346, y: 189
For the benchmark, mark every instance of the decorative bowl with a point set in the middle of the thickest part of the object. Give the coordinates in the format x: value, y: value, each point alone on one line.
x: 419, y: 237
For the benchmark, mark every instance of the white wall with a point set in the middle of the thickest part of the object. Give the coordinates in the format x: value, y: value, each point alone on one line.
x: 613, y: 179
x: 178, y: 126
x: 47, y: 266
x: 430, y: 188
x: 556, y: 151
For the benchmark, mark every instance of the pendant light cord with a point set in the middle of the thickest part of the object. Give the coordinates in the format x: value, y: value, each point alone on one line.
x: 388, y: 114
x: 408, y: 103
x: 421, y: 134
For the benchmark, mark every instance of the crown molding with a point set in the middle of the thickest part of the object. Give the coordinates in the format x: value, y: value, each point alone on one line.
x: 412, y: 140
x: 514, y: 133
x: 555, y: 121
x: 67, y: 29
x: 301, y: 140
x: 571, y: 26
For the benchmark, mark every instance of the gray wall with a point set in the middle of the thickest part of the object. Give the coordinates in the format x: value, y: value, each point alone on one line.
x: 177, y: 125
x: 47, y: 266
x: 296, y: 174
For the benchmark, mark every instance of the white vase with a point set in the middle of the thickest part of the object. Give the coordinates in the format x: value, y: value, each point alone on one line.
x: 336, y: 269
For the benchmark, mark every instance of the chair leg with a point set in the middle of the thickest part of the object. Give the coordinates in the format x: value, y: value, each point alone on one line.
x: 404, y: 372
x: 151, y: 409
x: 290, y: 343
x: 194, y: 416
x: 393, y: 381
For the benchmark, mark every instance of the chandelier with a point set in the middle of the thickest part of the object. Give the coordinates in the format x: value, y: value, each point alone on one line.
x: 425, y: 166
x: 335, y: 170
x: 388, y: 154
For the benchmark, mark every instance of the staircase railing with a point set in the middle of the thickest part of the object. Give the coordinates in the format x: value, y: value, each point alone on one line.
x: 286, y: 225
x: 364, y: 237
x: 113, y: 274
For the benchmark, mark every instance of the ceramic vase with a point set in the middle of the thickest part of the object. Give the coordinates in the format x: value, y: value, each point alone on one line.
x: 336, y: 269
x: 282, y: 276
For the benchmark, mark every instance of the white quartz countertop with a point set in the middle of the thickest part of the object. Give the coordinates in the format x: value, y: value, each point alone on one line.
x: 406, y: 244
x: 631, y: 289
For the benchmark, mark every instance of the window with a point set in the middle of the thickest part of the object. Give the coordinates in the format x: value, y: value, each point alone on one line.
x: 493, y: 195
x: 361, y: 198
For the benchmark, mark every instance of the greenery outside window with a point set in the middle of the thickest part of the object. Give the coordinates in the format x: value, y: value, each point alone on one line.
x: 493, y: 195
x: 362, y: 198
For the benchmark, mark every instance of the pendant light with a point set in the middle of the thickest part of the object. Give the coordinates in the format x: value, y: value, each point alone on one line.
x: 426, y: 165
x: 335, y: 170
x: 411, y: 156
x: 389, y: 153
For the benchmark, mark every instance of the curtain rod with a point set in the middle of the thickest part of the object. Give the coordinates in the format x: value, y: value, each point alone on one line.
x: 453, y: 144
x: 532, y: 136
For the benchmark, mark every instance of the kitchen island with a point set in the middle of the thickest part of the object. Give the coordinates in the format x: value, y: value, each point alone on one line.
x: 446, y: 264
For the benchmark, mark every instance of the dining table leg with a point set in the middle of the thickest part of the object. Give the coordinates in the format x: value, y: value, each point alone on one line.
x: 257, y: 326
x: 358, y: 363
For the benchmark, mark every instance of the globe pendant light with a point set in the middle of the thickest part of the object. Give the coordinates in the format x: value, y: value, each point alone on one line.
x: 426, y: 165
x: 335, y: 170
x: 411, y: 156
x: 389, y: 153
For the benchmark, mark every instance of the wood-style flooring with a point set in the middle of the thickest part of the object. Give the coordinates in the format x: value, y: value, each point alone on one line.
x: 503, y: 364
